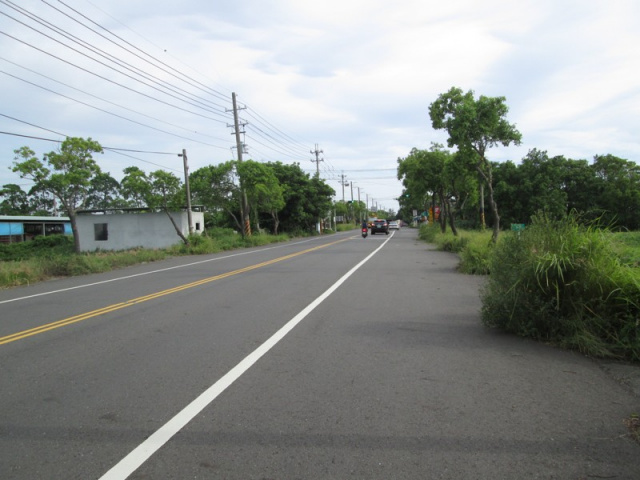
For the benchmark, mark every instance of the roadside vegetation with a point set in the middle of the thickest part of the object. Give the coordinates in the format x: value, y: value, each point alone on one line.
x: 558, y: 281
x: 53, y: 256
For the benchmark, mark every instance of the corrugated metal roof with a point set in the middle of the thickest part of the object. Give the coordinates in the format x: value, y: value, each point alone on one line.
x: 27, y: 218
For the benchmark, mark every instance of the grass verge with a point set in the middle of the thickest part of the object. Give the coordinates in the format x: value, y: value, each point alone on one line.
x: 558, y: 281
x: 50, y: 257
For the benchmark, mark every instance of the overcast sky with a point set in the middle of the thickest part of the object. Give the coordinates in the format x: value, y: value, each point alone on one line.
x: 355, y: 77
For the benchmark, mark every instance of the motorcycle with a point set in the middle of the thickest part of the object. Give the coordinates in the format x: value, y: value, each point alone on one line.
x: 365, y: 232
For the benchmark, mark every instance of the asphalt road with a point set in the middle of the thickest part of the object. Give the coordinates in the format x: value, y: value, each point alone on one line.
x: 330, y: 358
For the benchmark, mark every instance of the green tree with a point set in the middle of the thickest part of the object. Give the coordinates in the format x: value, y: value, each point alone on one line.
x: 420, y: 173
x: 474, y: 126
x: 216, y: 187
x: 433, y: 174
x: 15, y: 201
x: 507, y: 191
x: 65, y: 174
x: 306, y: 198
x: 135, y: 187
x: 618, y: 190
x: 580, y: 184
x: 104, y: 192
x: 166, y: 193
x: 264, y: 192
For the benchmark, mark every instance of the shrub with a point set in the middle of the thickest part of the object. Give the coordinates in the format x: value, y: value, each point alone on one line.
x: 474, y: 258
x: 40, y: 246
x: 560, y: 281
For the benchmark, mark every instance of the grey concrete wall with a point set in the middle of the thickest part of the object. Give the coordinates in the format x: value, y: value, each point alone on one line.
x: 130, y: 230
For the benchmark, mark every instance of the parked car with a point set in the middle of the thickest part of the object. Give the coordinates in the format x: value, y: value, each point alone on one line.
x: 394, y: 225
x: 380, y: 226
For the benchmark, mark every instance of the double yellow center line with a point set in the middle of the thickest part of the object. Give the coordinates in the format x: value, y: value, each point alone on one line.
x: 134, y: 301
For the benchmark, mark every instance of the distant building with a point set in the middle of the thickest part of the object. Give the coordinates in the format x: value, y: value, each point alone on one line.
x: 14, y: 229
x: 121, y: 229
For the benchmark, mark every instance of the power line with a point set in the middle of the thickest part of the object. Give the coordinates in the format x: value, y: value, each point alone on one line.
x: 207, y: 88
x: 159, y: 86
x: 93, y: 96
x: 111, y: 113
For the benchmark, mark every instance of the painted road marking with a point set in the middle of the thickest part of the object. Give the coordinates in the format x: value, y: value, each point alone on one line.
x: 119, y: 306
x: 51, y: 292
x: 153, y: 443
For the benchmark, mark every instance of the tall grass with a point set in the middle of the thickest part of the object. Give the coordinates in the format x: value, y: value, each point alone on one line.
x: 562, y: 282
x: 474, y: 247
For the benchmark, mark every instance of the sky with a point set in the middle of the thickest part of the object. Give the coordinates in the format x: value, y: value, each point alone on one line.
x: 148, y: 79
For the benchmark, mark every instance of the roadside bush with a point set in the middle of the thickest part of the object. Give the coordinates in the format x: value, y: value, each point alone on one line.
x: 429, y: 232
x: 345, y: 227
x: 40, y: 246
x: 474, y: 247
x: 560, y: 281
x: 474, y: 258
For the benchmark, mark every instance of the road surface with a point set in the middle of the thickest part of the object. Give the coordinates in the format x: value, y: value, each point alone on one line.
x: 326, y: 358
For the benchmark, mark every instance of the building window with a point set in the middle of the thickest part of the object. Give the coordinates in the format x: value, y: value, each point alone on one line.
x: 101, y: 232
x: 197, y: 226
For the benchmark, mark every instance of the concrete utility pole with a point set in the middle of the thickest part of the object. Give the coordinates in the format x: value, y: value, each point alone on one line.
x: 318, y: 159
x: 187, y: 188
x: 344, y: 184
x: 244, y: 207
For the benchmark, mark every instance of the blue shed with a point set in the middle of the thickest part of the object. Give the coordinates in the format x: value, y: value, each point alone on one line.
x: 15, y: 229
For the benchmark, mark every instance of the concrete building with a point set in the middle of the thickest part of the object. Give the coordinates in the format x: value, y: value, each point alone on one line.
x: 123, y: 229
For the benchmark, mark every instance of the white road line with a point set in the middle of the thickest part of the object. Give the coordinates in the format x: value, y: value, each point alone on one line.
x: 148, y: 273
x: 152, y: 444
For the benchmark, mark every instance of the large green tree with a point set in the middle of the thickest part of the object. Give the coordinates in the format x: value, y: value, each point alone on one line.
x: 216, y: 187
x: 166, y: 193
x: 135, y: 187
x: 617, y: 183
x: 104, y: 192
x: 436, y: 175
x: 306, y: 198
x: 475, y: 125
x: 66, y: 174
x: 15, y: 201
x: 263, y: 190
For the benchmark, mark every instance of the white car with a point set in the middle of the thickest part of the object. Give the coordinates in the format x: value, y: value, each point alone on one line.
x: 394, y: 225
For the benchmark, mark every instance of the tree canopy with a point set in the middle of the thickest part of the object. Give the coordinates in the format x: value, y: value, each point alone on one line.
x: 66, y: 174
x: 473, y: 126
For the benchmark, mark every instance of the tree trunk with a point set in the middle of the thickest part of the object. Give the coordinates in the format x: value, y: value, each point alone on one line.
x: 494, y: 213
x: 178, y: 231
x: 488, y: 177
x: 452, y: 221
x: 235, y: 219
x: 74, y: 230
x: 443, y: 213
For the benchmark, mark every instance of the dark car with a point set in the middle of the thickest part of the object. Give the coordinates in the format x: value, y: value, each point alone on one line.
x: 379, y: 226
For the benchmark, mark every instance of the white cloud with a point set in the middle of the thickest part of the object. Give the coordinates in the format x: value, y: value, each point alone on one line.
x: 355, y: 76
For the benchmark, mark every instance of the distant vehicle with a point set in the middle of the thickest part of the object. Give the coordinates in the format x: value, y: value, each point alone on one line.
x: 380, y: 226
x: 394, y: 225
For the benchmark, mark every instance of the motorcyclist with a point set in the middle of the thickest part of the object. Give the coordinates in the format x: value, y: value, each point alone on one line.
x: 364, y: 225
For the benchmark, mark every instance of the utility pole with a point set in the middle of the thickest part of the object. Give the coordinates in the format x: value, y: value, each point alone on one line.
x: 317, y: 162
x: 318, y: 159
x: 351, y: 209
x: 187, y: 188
x: 244, y: 205
x: 344, y: 184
